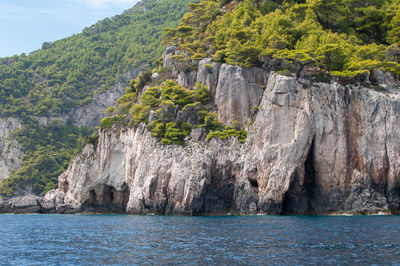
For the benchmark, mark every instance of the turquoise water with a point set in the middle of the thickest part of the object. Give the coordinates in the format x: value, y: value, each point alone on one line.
x: 251, y: 240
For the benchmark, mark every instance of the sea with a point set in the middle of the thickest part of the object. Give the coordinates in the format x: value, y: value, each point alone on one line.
x: 199, y: 240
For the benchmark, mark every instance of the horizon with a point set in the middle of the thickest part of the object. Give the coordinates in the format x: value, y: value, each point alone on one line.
x: 27, y: 24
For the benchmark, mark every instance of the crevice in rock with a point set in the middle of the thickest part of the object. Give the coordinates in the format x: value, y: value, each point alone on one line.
x: 254, y: 184
x: 92, y: 197
x: 298, y: 198
x: 309, y: 177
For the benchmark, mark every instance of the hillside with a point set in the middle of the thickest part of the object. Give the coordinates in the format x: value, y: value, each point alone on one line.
x: 256, y: 108
x: 43, y: 93
x: 271, y: 107
x: 318, y: 40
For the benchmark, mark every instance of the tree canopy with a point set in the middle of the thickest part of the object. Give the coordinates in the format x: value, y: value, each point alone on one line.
x: 344, y: 37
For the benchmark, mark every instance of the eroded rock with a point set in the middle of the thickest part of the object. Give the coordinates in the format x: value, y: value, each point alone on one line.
x: 26, y: 204
x: 239, y: 89
x: 313, y: 148
x: 10, y: 150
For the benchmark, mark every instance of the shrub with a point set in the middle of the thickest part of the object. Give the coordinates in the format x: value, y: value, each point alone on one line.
x: 209, y: 68
x: 140, y: 113
x: 92, y: 139
x: 228, y: 132
x: 202, y: 93
x: 150, y: 97
x: 211, y: 122
x: 170, y: 90
x: 108, y: 122
x: 173, y: 134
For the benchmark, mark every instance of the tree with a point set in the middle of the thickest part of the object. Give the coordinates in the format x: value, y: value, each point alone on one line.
x: 202, y: 93
x: 392, y: 53
x: 329, y: 13
x: 298, y: 57
x: 331, y: 56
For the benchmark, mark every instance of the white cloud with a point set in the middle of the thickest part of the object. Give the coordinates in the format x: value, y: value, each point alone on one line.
x: 106, y: 3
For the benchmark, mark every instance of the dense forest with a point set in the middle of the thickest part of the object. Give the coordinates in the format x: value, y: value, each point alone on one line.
x: 67, y: 74
x: 344, y: 38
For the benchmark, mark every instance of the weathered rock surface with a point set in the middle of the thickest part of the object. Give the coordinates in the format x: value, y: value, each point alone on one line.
x: 313, y: 148
x: 10, y: 150
x: 26, y: 204
x: 208, y: 73
x: 239, y: 89
x: 90, y: 114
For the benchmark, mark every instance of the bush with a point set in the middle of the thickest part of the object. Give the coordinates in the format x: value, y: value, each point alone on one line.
x: 173, y: 134
x: 92, y: 139
x: 202, y: 93
x: 170, y: 90
x: 108, y: 122
x: 211, y: 122
x: 228, y: 132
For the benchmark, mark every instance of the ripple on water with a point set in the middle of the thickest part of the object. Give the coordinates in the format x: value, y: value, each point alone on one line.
x: 255, y: 240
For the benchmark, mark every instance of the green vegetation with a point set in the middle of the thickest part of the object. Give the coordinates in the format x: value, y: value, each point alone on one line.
x: 67, y: 74
x: 320, y: 38
x: 47, y: 153
x: 347, y: 38
x: 229, y: 131
x: 171, y: 112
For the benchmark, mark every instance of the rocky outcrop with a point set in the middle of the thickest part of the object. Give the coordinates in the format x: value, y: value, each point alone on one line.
x: 239, y: 89
x: 27, y: 204
x: 313, y: 148
x: 10, y: 150
x: 208, y: 73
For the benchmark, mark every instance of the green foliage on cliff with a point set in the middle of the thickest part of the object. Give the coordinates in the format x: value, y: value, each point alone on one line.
x: 164, y: 102
x: 67, y: 74
x: 229, y: 131
x: 344, y: 37
x: 167, y: 110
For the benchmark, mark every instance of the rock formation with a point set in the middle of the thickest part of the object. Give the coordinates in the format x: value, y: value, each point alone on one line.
x: 311, y: 148
x: 10, y: 150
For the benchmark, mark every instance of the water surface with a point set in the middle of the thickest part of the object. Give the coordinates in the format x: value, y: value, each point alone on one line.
x: 249, y: 240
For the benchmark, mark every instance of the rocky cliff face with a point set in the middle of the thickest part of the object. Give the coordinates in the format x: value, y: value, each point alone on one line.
x: 10, y: 150
x: 312, y: 148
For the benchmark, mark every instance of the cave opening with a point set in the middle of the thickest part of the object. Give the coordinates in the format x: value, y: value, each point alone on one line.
x: 92, y: 196
x: 299, y: 197
x: 64, y: 186
x: 111, y: 196
x: 254, y: 184
x: 310, y: 177
x: 108, y: 199
x: 217, y: 196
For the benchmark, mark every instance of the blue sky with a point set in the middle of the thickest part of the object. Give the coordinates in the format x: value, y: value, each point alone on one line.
x: 26, y: 24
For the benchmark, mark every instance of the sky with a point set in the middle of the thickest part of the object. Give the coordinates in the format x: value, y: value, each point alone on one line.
x: 26, y: 24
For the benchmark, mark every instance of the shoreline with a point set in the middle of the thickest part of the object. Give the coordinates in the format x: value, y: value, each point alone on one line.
x: 39, y: 205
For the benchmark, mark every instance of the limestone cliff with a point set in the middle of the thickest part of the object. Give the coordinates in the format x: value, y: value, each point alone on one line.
x: 10, y: 150
x: 311, y: 148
